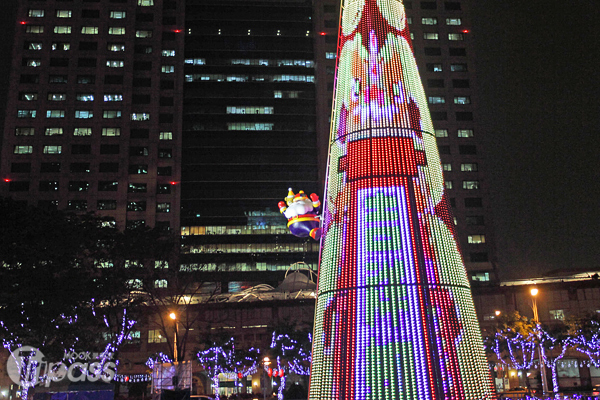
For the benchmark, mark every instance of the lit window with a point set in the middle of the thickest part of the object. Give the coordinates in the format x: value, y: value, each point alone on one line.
x: 113, y: 97
x: 476, y: 239
x: 116, y: 47
x: 52, y: 149
x: 111, y: 114
x: 28, y: 131
x: 33, y: 62
x: 140, y: 116
x: 115, y: 63
x: 163, y: 207
x: 34, y: 29
x: 481, y: 277
x: 453, y: 21
x: 111, y: 131
x: 33, y: 46
x: 166, y: 135
x: 330, y: 55
x: 63, y: 13
x: 36, y: 13
x: 434, y: 67
x: 82, y: 132
x: 160, y: 283
x: 249, y: 110
x: 143, y: 33
x: 26, y: 113
x: 465, y: 133
x: 107, y: 205
x: 557, y: 314
x: 118, y: 14
x: 456, y: 36
x: 155, y: 336
x: 62, y: 29
x: 57, y: 96
x: 195, y: 61
x: 462, y: 100
x: 53, y: 131
x: 429, y: 21
x: 23, y: 149
x: 447, y: 167
x: 55, y: 113
x: 136, y: 205
x: 85, y: 97
x: 28, y: 96
x: 469, y: 167
x: 431, y: 36
x: 458, y: 67
x: 470, y: 185
x: 89, y: 30
x: 84, y: 114
x: 448, y: 185
x: 77, y: 205
x: 168, y: 53
x: 61, y: 46
x: 441, y: 133
x: 167, y: 69
x: 116, y: 30
x: 145, y: 3
x: 249, y: 126
x: 436, y: 100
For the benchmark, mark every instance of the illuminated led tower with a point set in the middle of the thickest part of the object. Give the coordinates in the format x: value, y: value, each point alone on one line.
x: 394, y: 316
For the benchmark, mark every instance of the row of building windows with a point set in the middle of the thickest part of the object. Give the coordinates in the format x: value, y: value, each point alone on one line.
x: 91, y: 79
x: 92, y: 63
x: 87, y: 13
x: 33, y: 96
x: 252, y: 248
x: 452, y: 51
x: 87, y: 114
x: 438, y: 67
x: 459, y: 115
x: 83, y: 131
x: 103, y: 186
x: 268, y: 62
x: 460, y: 100
x: 240, y: 266
x: 90, y: 30
x: 461, y: 133
x: 467, y: 185
x: 464, y: 167
x: 436, y: 36
x: 249, y: 78
x: 92, y: 46
x: 456, y: 83
x: 462, y: 149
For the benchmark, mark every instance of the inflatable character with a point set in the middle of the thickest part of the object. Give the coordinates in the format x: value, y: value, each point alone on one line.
x: 301, y: 213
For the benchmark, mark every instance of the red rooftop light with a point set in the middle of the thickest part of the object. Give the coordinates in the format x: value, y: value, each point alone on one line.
x: 23, y: 22
x: 6, y: 180
x: 177, y: 30
x: 173, y: 183
x: 466, y: 31
x: 323, y: 33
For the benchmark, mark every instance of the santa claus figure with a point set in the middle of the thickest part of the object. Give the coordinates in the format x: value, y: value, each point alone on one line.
x: 301, y: 213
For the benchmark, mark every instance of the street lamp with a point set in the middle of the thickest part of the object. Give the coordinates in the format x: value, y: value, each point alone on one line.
x: 173, y: 316
x: 534, y: 292
x: 266, y: 363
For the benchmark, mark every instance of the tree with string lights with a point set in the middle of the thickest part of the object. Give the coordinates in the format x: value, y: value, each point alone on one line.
x: 291, y: 349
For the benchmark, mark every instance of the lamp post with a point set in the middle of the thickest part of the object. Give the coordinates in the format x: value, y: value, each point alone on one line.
x: 534, y: 292
x: 266, y: 363
x: 173, y: 316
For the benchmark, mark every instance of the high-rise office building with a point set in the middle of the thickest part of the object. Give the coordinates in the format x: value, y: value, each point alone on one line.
x: 137, y: 109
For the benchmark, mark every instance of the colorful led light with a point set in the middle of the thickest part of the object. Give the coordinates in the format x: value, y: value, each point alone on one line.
x: 394, y: 316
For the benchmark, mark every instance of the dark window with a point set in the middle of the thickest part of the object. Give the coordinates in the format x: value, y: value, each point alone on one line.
x: 163, y: 226
x: 59, y: 62
x: 108, y: 186
x: 78, y: 186
x: 113, y: 79
x: 460, y: 83
x: 90, y: 13
x: 137, y: 188
x: 18, y: 186
x: 86, y: 62
x: 86, y: 79
x: 163, y: 189
x: 48, y: 204
x: 163, y: 171
x: 20, y: 167
x: 169, y: 5
x: 331, y: 39
x: 79, y: 167
x: 451, y: 5
x: 166, y: 101
x: 329, y: 8
x: 432, y: 51
x: 29, y: 78
x: 57, y: 79
x: 136, y: 169
x: 81, y: 149
x: 140, y: 133
x: 108, y: 167
x: 136, y: 206
x: 464, y: 116
x: 457, y: 51
x: 439, y: 115
x: 478, y: 257
x: 165, y: 153
x: 106, y: 205
x: 167, y: 84
x: 452, y: 202
x: 329, y: 23
x: 48, y: 186
x: 408, y: 5
x: 474, y: 220
x: 428, y: 5
x: 50, y: 167
x: 473, y: 202
x: 467, y: 149
x: 109, y: 149
x: 142, y: 65
x: 118, y: 1
x: 444, y: 149
x: 77, y: 205
x: 135, y: 223
x: 142, y: 82
x: 138, y: 151
x: 165, y: 118
x: 141, y: 99
x: 435, y: 83
x: 169, y: 21
x: 145, y: 17
x: 142, y: 49
x: 88, y: 45
x: 168, y: 36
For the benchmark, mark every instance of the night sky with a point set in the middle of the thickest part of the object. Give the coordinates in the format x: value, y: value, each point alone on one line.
x: 538, y: 64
